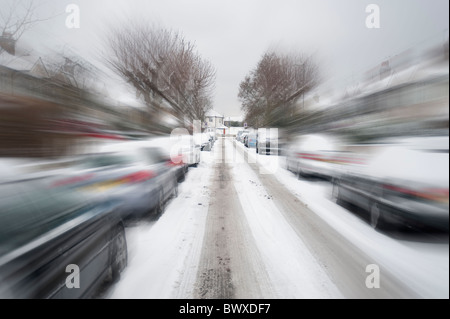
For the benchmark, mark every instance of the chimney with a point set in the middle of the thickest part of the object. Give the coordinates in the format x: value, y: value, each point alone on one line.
x: 7, y: 43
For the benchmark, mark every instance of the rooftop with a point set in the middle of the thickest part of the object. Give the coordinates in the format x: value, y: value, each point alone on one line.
x: 212, y: 113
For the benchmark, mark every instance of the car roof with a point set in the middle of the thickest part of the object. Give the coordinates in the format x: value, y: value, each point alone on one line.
x: 418, y: 159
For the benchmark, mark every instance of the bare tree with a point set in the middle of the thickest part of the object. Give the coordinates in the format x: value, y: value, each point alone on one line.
x: 269, y: 91
x: 165, y: 70
x: 73, y: 70
x: 16, y: 17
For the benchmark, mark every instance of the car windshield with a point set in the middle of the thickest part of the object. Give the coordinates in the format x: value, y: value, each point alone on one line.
x: 106, y: 160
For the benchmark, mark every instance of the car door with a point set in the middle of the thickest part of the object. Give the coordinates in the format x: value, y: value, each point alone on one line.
x: 87, y: 247
x: 50, y: 232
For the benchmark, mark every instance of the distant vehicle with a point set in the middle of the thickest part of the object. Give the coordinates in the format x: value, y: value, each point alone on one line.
x: 45, y: 230
x: 205, y: 140
x: 251, y: 139
x: 241, y: 135
x: 190, y: 150
x: 184, y: 150
x: 172, y: 150
x: 406, y: 183
x: 267, y: 141
x: 316, y: 155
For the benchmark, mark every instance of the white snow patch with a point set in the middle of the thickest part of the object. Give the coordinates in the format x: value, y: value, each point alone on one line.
x: 164, y: 255
x: 294, y: 272
x: 423, y: 267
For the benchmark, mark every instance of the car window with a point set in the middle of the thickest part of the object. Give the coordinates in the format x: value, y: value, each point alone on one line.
x: 152, y: 155
x: 29, y: 209
x: 16, y: 216
x: 105, y: 160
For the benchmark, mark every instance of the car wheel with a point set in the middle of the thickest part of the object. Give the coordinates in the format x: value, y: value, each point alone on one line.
x: 119, y: 253
x: 298, y: 172
x: 159, y: 209
x: 335, y: 192
x: 301, y: 173
x: 182, y: 176
x: 175, y: 189
x: 376, y: 217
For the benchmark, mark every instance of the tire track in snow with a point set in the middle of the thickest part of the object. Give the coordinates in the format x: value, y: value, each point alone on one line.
x: 230, y: 265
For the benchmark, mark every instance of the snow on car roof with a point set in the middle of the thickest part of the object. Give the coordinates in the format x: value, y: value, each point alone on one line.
x: 423, y: 160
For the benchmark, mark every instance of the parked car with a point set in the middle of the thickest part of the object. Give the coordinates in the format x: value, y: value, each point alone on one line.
x: 171, y: 150
x: 190, y: 150
x: 140, y: 176
x: 406, y: 183
x: 239, y: 136
x: 267, y: 141
x: 206, y: 141
x: 243, y: 137
x: 316, y: 155
x: 250, y: 139
x: 49, y: 233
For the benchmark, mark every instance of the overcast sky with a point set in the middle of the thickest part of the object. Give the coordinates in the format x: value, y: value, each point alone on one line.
x: 234, y: 34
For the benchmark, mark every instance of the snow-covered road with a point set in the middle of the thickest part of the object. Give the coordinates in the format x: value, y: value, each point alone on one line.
x: 417, y: 263
x: 244, y: 227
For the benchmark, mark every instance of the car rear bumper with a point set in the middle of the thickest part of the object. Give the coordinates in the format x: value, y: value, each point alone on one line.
x: 135, y: 201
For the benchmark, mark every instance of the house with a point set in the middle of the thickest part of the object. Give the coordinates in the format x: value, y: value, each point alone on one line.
x: 43, y: 115
x: 213, y: 119
x: 236, y: 121
x: 18, y: 57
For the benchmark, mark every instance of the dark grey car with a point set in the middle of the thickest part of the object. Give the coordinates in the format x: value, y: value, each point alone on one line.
x: 56, y: 242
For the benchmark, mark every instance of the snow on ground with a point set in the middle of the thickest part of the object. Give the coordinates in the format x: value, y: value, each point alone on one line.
x: 163, y: 252
x: 424, y: 267
x: 294, y: 272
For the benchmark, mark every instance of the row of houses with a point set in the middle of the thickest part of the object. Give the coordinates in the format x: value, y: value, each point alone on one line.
x: 405, y: 94
x: 54, y: 106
